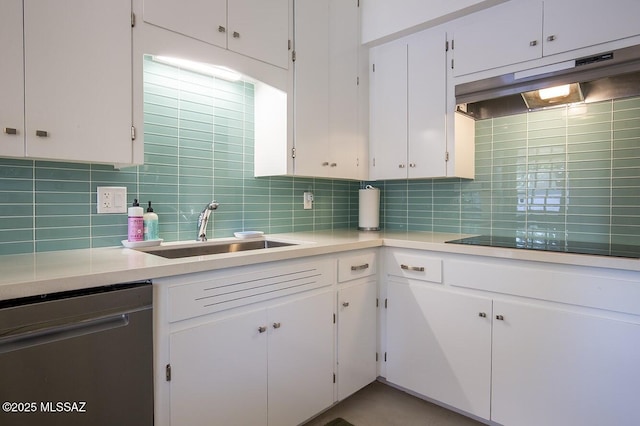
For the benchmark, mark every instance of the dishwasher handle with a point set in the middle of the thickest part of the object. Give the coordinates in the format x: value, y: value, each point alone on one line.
x: 43, y: 336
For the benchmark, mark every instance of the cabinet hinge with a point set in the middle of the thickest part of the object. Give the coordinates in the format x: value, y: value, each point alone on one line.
x: 446, y: 46
x: 168, y: 372
x: 446, y: 156
x: 334, y: 377
x: 334, y: 318
x: 133, y: 133
x: 133, y: 19
x: 293, y: 56
x: 293, y: 153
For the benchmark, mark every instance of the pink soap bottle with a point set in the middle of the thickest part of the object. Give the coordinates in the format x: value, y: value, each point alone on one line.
x: 136, y: 222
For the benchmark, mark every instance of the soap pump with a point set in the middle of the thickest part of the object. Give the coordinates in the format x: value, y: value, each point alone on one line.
x: 135, y: 222
x: 150, y: 224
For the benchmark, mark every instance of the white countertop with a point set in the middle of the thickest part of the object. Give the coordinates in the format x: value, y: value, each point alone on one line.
x: 48, y: 272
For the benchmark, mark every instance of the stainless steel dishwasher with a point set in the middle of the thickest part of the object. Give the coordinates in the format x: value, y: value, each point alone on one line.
x: 78, y: 358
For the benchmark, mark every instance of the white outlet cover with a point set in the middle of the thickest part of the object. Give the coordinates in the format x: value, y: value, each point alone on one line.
x: 111, y: 199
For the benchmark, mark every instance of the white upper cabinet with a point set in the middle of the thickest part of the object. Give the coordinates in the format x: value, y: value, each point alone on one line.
x: 522, y: 30
x: 326, y: 140
x: 569, y: 25
x: 502, y: 35
x: 410, y: 135
x: 12, y: 81
x: 77, y: 74
x: 254, y: 28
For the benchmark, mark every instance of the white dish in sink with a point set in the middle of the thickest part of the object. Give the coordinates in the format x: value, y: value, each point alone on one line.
x: 248, y: 234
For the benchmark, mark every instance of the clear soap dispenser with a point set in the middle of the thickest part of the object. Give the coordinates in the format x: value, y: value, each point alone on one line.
x: 150, y: 224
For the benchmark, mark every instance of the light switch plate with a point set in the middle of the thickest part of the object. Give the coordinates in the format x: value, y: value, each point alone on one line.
x: 112, y: 199
x: 308, y: 200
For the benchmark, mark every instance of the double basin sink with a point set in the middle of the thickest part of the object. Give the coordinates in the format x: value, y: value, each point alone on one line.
x: 204, y: 248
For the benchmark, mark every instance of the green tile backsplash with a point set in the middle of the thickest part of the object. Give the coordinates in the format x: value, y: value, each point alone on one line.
x: 198, y: 147
x: 570, y: 173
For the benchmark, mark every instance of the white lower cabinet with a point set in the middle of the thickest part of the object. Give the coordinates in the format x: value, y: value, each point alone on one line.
x: 439, y: 344
x: 557, y: 367
x: 271, y: 366
x: 357, y: 336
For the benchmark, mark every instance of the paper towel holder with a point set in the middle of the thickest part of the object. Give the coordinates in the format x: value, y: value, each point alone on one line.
x: 369, y: 209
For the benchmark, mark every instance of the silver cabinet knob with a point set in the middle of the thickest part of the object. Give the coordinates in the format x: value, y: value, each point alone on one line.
x: 412, y: 165
x: 10, y: 131
x: 333, y: 164
x: 262, y: 329
x: 221, y: 29
x: 500, y: 317
x: 42, y: 133
x: 236, y: 34
x: 551, y: 38
x: 325, y: 163
x: 401, y: 166
x: 276, y: 325
x: 533, y: 43
x: 345, y: 304
x: 482, y: 315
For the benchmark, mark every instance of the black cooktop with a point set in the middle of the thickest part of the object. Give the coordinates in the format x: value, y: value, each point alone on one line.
x: 562, y: 246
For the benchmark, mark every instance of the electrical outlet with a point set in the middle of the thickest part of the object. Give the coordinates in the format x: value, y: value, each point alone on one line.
x: 308, y: 200
x: 112, y: 199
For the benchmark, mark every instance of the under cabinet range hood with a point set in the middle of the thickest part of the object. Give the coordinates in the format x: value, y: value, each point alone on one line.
x: 609, y: 75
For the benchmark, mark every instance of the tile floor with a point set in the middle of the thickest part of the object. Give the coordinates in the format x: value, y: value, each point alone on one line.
x: 381, y: 405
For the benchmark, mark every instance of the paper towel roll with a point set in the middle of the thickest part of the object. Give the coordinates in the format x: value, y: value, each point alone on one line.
x: 369, y: 213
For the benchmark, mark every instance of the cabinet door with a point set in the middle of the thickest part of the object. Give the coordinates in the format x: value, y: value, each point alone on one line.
x: 301, y: 348
x: 311, y: 88
x: 346, y: 144
x: 505, y: 34
x: 427, y: 98
x: 204, y: 20
x: 569, y: 26
x: 260, y: 29
x: 553, y: 367
x: 388, y: 111
x: 219, y: 372
x: 78, y: 80
x: 356, y: 337
x: 439, y: 345
x: 12, y: 81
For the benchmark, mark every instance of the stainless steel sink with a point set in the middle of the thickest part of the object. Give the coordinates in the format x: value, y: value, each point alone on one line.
x: 202, y: 249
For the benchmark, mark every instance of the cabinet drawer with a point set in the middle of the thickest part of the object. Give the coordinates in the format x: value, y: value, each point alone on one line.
x: 415, y: 266
x: 356, y: 266
x: 205, y: 293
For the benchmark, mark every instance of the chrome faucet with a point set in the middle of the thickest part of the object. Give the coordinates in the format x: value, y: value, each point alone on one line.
x: 203, y: 219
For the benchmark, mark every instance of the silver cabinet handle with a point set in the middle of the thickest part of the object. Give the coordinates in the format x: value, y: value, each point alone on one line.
x: 325, y: 164
x: 262, y: 329
x: 345, y: 304
x: 500, y: 317
x: 42, y: 133
x: 221, y: 29
x: 359, y: 267
x: 276, y: 325
x: 10, y: 131
x: 533, y: 43
x: 236, y: 34
x: 551, y: 38
x: 401, y: 166
x: 482, y: 315
x: 412, y: 268
x: 334, y: 164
